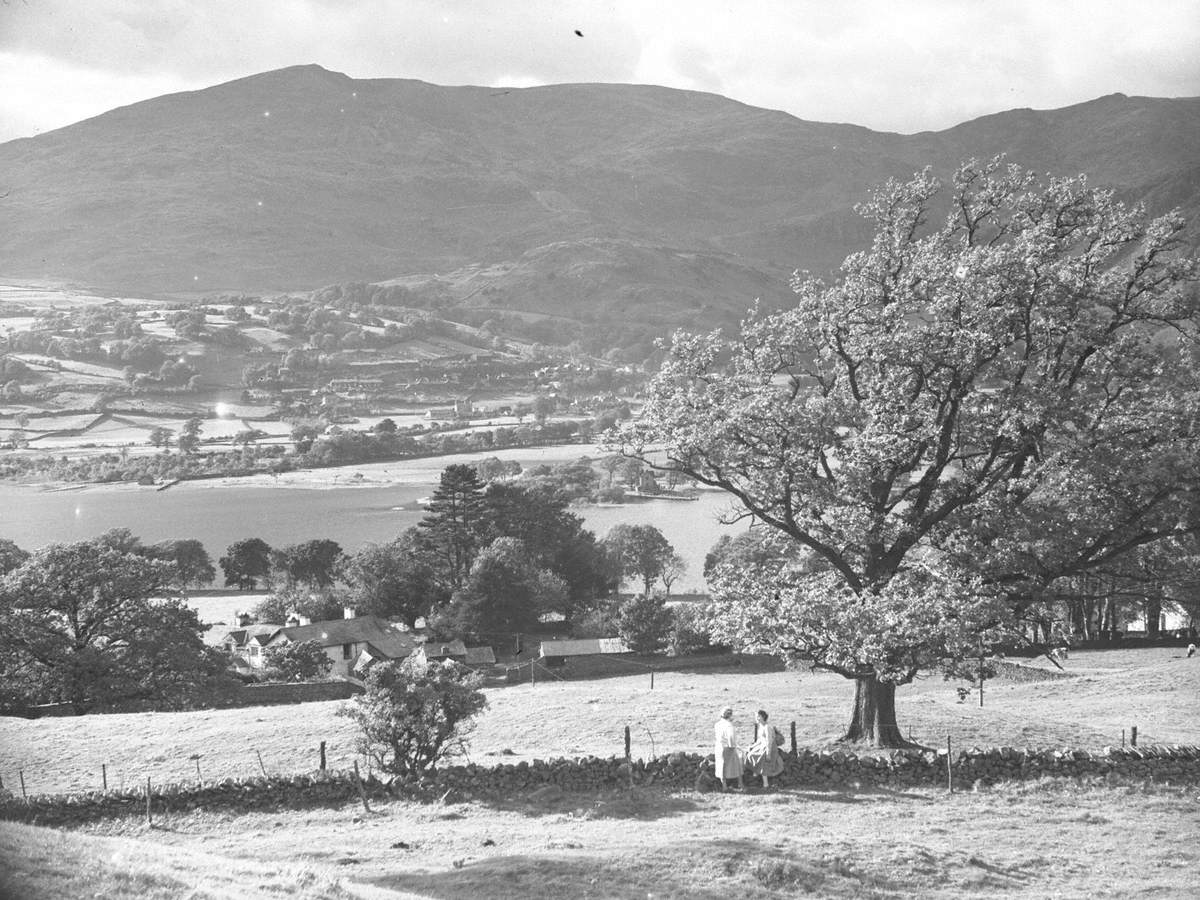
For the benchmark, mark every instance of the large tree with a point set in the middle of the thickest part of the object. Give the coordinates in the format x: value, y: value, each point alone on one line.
x: 77, y: 624
x: 971, y: 412
x: 314, y: 565
x: 245, y: 562
x: 504, y: 594
x: 641, y: 551
x: 450, y: 532
x: 394, y: 579
x: 554, y: 538
x: 191, y: 562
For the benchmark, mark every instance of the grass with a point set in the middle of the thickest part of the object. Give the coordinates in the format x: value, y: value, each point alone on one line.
x: 1025, y: 839
x: 1037, y: 839
x: 1158, y: 690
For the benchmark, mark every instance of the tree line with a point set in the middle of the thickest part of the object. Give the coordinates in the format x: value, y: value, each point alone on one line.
x: 105, y: 621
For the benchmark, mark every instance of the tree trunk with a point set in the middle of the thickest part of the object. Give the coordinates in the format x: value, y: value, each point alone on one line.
x: 1153, y: 616
x: 874, y: 719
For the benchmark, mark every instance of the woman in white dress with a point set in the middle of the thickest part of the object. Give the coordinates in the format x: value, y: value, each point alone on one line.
x: 727, y: 759
x: 763, y: 757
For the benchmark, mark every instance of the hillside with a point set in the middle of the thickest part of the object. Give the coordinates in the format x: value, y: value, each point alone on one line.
x: 301, y: 177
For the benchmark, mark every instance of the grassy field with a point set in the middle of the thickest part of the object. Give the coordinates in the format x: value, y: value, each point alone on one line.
x: 1038, y: 839
x: 1034, y: 840
x: 1158, y: 690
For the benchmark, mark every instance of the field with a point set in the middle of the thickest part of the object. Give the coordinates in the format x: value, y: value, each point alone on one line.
x: 1037, y: 839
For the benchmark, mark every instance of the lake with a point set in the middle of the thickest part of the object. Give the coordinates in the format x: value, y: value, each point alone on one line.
x: 352, y: 516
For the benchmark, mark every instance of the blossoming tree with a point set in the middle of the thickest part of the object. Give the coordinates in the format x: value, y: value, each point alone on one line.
x: 970, y: 412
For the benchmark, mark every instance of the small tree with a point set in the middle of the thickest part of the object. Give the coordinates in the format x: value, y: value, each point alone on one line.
x: 414, y: 714
x: 189, y: 437
x: 303, y: 661
x: 644, y: 622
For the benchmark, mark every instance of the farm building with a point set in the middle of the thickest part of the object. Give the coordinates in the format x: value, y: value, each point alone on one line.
x: 556, y: 653
x: 353, y: 643
x: 456, y: 650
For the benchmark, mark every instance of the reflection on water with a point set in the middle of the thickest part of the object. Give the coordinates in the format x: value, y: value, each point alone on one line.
x: 351, y: 516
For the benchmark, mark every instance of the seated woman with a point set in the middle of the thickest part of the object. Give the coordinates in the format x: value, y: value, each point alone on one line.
x: 763, y: 756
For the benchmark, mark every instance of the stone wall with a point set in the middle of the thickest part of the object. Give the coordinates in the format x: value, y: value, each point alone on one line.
x: 275, y: 693
x: 678, y: 771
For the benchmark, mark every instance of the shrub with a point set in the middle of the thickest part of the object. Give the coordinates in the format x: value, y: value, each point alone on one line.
x: 303, y: 661
x: 414, y: 714
x: 689, y: 631
x: 644, y: 623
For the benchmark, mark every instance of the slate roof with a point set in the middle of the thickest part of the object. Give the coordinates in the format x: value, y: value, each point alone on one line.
x: 260, y: 634
x: 478, y: 656
x: 444, y: 649
x: 373, y: 630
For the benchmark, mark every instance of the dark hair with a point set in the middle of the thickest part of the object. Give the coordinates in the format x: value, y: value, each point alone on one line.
x: 763, y: 713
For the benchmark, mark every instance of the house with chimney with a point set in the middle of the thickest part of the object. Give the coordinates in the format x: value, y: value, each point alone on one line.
x: 352, y: 643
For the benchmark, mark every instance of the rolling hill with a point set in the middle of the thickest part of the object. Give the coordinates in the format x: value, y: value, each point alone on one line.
x: 606, y: 200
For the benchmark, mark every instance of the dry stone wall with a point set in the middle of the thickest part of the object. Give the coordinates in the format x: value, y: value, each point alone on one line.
x: 677, y: 771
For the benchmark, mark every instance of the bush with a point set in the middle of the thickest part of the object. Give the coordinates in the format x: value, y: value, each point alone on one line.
x: 304, y: 661
x: 689, y: 631
x: 644, y: 623
x: 414, y: 714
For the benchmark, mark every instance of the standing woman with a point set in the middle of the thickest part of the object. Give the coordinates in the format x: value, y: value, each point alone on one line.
x: 764, y: 757
x: 727, y: 760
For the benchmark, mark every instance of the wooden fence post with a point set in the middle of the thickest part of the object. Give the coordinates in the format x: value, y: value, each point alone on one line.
x: 199, y: 779
x: 627, y: 742
x: 362, y: 793
x: 149, y: 820
x: 1133, y: 736
x: 651, y: 679
x: 795, y: 752
x: 322, y: 756
x: 25, y: 796
x: 104, y: 776
x: 949, y: 767
x: 260, y: 762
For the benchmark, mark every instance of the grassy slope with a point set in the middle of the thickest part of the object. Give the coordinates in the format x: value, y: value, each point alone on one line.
x: 1157, y: 690
x: 1022, y: 840
x: 1018, y: 840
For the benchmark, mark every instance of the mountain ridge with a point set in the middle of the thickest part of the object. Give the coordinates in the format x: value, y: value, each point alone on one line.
x: 300, y: 177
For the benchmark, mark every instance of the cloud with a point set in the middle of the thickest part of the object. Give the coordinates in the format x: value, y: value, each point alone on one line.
x: 922, y: 64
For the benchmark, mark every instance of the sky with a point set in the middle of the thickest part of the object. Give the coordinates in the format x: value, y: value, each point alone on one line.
x: 891, y: 65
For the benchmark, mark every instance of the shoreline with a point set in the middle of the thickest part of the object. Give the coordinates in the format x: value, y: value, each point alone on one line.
x: 419, y: 470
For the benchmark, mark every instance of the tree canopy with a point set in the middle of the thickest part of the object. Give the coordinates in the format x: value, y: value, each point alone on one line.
x: 78, y: 624
x: 970, y: 413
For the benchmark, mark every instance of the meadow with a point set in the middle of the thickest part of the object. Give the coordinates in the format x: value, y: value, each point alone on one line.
x: 1035, y: 839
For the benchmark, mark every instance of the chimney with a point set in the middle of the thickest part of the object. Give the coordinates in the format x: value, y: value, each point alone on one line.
x: 347, y: 612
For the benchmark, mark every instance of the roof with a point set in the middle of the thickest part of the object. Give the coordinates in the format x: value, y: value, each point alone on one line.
x: 477, y: 656
x: 390, y: 643
x: 444, y: 649
x: 585, y: 647
x: 260, y: 634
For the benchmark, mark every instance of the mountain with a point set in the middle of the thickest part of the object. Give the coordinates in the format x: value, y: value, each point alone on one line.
x: 613, y: 199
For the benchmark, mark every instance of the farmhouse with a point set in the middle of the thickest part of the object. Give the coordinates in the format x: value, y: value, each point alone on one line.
x: 353, y: 643
x: 248, y: 642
